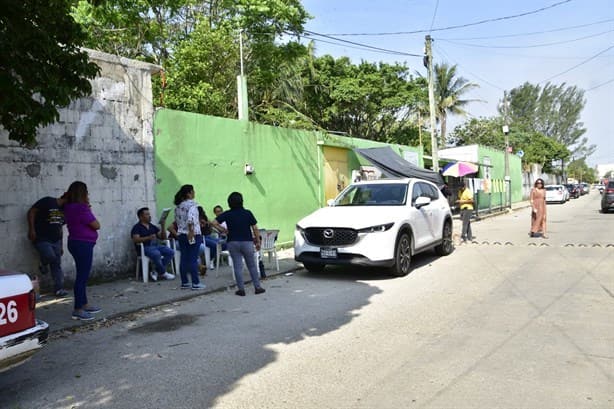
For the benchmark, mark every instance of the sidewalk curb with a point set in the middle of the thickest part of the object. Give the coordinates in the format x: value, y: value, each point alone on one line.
x: 186, y: 295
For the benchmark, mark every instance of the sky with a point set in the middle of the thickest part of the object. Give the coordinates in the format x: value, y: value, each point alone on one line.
x: 498, y: 55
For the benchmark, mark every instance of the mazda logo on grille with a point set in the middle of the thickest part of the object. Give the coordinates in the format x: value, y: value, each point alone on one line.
x: 328, y: 233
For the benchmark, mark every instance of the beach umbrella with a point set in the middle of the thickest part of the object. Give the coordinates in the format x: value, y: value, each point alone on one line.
x: 459, y: 169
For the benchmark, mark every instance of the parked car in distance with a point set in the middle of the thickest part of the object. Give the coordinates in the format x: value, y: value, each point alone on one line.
x: 376, y: 223
x: 556, y: 194
x: 21, y: 334
x: 583, y: 188
x: 607, y: 198
x: 574, y: 190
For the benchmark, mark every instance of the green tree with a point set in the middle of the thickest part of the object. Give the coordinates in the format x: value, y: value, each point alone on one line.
x: 41, y: 65
x: 368, y: 100
x: 449, y: 91
x: 196, y: 41
x: 579, y: 169
x: 537, y: 148
x: 140, y: 29
x: 553, y: 111
x: 202, y: 72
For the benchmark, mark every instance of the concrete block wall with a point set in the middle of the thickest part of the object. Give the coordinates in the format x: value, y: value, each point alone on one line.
x: 104, y: 140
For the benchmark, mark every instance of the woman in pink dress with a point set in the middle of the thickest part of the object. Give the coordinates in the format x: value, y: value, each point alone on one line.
x: 538, y: 206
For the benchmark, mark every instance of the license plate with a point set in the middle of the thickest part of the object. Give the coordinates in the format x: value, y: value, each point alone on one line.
x: 328, y: 253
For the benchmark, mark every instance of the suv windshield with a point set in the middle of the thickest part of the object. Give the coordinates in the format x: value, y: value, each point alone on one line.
x: 392, y: 194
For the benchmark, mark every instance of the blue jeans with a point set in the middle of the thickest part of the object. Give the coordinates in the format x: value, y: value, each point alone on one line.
x: 51, y: 253
x: 161, y: 256
x: 240, y: 250
x: 211, y: 242
x: 83, y: 253
x: 189, y: 258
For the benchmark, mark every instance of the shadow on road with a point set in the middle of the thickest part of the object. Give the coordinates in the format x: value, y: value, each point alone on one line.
x: 191, y: 354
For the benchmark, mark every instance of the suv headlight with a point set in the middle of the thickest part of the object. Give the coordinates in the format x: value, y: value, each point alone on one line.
x: 375, y: 229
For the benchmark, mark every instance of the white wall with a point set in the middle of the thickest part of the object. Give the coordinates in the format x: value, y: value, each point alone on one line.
x: 104, y: 140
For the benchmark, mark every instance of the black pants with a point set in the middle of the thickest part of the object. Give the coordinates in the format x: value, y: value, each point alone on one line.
x: 466, y: 218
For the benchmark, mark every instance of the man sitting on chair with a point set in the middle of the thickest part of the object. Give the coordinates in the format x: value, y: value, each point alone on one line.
x: 147, y: 233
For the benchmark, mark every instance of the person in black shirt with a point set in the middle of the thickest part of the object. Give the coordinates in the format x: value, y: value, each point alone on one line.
x: 147, y: 233
x: 45, y: 220
x: 243, y: 240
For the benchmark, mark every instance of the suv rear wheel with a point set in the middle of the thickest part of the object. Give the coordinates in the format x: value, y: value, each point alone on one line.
x: 446, y: 246
x: 402, y: 256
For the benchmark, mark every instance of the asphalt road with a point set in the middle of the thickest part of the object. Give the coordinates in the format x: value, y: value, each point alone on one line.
x: 509, y: 322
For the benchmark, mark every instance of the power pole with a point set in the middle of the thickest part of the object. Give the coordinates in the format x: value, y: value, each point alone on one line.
x: 242, y: 85
x: 429, y: 65
x: 506, y: 132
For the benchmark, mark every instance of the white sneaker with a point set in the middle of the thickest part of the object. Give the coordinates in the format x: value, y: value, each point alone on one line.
x: 168, y: 276
x: 154, y: 276
x: 212, y: 266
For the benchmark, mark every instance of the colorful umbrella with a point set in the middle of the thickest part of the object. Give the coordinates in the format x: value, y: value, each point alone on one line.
x: 459, y: 169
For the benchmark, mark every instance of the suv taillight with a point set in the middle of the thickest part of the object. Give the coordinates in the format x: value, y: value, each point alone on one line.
x: 609, y: 190
x: 32, y: 300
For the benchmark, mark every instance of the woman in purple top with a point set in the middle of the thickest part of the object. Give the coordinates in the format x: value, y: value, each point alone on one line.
x: 82, y: 234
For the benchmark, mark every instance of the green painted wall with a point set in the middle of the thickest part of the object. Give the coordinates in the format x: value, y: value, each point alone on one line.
x: 210, y: 153
x: 497, y: 160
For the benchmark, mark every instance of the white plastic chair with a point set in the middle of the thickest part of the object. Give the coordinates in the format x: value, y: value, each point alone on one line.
x: 207, y: 255
x: 143, y: 261
x: 267, y: 244
x: 174, y: 244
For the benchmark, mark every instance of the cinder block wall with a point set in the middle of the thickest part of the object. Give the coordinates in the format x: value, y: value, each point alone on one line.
x: 104, y: 140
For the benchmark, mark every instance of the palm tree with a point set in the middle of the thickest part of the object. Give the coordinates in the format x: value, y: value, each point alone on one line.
x: 448, y: 92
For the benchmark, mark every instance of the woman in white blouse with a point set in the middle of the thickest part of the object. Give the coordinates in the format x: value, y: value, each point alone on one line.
x: 189, y: 236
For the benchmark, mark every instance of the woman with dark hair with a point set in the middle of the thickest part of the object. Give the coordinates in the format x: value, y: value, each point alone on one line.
x: 538, y: 209
x: 82, y: 236
x: 189, y: 236
x: 243, y: 236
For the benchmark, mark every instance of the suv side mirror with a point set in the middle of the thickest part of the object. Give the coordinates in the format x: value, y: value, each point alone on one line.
x: 422, y: 201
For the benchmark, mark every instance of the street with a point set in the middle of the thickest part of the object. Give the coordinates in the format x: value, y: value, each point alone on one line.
x: 506, y: 322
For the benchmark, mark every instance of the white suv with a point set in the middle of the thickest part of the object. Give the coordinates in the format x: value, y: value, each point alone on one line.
x: 376, y: 223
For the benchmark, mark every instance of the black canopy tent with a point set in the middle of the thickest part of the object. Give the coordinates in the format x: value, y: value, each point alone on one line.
x: 392, y: 165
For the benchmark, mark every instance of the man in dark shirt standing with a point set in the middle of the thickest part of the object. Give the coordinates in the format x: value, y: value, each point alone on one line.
x: 147, y: 233
x: 45, y: 220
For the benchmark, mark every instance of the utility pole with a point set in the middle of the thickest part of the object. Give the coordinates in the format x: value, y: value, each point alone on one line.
x: 506, y: 132
x: 242, y: 85
x: 429, y: 65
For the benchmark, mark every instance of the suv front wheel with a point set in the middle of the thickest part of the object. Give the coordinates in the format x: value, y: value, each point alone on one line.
x: 446, y: 246
x: 402, y: 256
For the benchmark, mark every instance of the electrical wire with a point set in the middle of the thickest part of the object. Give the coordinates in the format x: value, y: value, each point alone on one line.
x: 434, y: 15
x: 445, y: 55
x: 554, y: 30
x: 308, y: 33
x: 578, y: 65
x: 527, y: 46
x: 355, y: 47
x: 475, y: 23
x: 600, y: 85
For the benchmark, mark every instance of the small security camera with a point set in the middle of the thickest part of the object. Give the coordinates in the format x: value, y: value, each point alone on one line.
x: 249, y: 169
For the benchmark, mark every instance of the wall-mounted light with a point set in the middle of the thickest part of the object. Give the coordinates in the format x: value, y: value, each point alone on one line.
x: 249, y: 169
